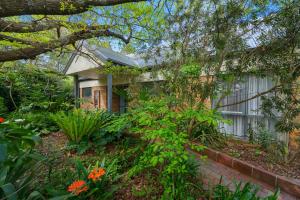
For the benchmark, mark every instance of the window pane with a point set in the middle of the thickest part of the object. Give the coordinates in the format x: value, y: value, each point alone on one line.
x: 86, y: 92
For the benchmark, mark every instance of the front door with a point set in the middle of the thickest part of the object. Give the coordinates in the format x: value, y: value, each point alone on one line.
x: 97, y: 98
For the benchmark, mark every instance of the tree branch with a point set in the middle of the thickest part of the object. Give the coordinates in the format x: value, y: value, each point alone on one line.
x: 52, y: 7
x: 42, y: 25
x: 32, y: 52
x: 253, y: 97
x: 13, y: 39
x: 25, y: 27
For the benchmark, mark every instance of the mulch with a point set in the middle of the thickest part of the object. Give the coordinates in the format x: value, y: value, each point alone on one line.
x: 255, y: 155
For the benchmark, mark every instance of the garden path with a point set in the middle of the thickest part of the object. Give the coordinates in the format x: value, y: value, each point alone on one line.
x: 211, y: 173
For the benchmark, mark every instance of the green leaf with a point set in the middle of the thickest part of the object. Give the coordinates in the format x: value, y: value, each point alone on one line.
x: 9, y: 191
x: 3, y: 174
x: 63, y: 197
x: 3, y: 152
x: 35, y: 195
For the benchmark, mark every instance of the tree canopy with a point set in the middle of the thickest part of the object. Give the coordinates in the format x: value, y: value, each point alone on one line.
x: 31, y: 28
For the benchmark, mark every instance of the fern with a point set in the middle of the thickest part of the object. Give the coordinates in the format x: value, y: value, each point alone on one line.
x: 79, y: 123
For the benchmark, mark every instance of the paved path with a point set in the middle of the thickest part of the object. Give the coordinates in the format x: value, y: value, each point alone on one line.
x: 212, y: 172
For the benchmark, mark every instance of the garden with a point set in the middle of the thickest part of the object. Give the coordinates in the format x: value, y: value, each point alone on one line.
x: 52, y: 147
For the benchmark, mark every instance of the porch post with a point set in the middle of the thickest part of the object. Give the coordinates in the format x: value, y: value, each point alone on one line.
x: 76, y: 90
x: 109, y: 92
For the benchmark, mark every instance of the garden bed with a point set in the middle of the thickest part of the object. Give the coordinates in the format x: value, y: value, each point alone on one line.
x: 253, y: 154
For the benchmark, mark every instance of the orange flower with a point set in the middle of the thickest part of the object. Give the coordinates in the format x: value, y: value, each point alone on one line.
x: 2, y: 120
x: 96, y: 174
x: 77, y: 187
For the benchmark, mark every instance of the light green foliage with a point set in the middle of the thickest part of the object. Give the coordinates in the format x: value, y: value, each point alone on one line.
x: 78, y: 123
x: 164, y: 129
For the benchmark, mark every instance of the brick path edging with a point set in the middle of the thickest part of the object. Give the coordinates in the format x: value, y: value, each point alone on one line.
x: 286, y: 184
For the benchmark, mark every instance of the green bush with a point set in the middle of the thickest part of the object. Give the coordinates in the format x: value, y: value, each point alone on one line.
x: 79, y: 123
x: 208, y: 134
x: 18, y: 162
x: 38, y: 122
x: 164, y: 130
x: 3, y: 108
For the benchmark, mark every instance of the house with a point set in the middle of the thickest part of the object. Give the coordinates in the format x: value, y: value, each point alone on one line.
x: 96, y: 89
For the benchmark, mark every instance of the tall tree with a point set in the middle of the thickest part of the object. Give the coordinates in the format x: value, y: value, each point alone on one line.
x: 227, y: 40
x: 30, y: 28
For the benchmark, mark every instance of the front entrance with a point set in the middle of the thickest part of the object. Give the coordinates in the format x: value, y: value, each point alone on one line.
x: 97, y: 99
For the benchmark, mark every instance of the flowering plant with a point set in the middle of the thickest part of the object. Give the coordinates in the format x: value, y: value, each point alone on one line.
x: 2, y: 120
x: 77, y: 187
x: 96, y: 174
x: 95, y: 180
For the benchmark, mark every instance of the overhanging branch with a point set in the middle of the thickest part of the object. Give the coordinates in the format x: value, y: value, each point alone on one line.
x: 40, y: 48
x: 53, y: 7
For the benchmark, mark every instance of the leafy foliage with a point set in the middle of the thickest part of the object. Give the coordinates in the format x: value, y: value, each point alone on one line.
x: 246, y: 192
x: 208, y: 135
x: 78, y: 123
x: 27, y: 88
x: 18, y: 162
x: 164, y: 130
x: 100, y: 178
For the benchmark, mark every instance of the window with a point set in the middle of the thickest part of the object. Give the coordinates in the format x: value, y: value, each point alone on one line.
x: 246, y: 115
x: 87, y: 92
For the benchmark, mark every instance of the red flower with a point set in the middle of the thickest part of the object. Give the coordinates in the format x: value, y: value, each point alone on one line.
x: 96, y: 174
x: 77, y: 187
x: 2, y: 120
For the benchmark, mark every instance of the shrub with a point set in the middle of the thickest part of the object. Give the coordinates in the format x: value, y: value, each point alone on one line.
x: 208, y: 134
x: 18, y: 162
x: 164, y: 130
x: 112, y: 131
x: 38, y: 122
x: 78, y: 123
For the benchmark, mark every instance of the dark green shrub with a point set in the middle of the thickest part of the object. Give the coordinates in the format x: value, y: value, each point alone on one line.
x: 18, y: 162
x: 39, y: 122
x: 208, y: 134
x: 27, y: 88
x: 79, y: 123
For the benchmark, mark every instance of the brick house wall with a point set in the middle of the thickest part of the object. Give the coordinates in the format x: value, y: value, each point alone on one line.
x: 89, y: 103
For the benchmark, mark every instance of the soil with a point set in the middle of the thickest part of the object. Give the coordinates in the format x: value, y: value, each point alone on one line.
x: 255, y: 155
x: 142, y: 187
x: 55, y: 140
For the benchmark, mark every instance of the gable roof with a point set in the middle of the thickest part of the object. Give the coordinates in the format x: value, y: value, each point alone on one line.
x: 104, y: 55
